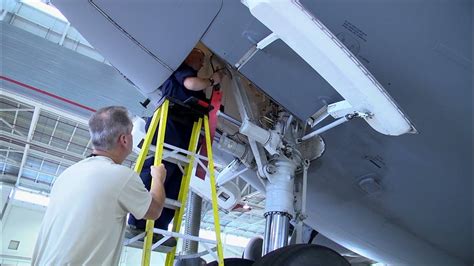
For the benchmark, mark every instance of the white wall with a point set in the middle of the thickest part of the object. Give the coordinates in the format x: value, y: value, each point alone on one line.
x: 4, y: 197
x: 21, y: 222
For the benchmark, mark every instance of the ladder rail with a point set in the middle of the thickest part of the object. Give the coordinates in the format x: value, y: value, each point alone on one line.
x: 161, y: 114
x: 146, y: 256
x: 146, y: 143
x: 215, y: 207
x: 183, y: 191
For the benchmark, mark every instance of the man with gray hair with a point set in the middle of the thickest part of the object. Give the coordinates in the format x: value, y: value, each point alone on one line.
x: 85, y: 219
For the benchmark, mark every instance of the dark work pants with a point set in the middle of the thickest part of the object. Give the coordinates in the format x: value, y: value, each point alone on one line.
x: 172, y: 185
x: 177, y: 135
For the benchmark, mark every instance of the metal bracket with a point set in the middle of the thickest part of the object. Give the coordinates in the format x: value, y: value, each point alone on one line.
x: 252, y: 51
x: 336, y: 110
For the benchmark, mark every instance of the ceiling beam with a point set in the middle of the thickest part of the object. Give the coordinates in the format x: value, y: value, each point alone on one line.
x: 38, y: 153
x: 34, y: 122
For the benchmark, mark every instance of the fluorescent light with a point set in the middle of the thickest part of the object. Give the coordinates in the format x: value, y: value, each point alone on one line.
x: 35, y: 198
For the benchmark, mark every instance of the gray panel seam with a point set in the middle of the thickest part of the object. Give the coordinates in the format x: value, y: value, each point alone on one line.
x: 129, y: 36
x: 212, y: 21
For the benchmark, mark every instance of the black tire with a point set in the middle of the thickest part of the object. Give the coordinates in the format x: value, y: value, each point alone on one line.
x: 302, y: 255
x: 253, y: 250
x: 233, y: 262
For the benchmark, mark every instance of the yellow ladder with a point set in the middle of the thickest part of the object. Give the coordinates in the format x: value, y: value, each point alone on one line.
x: 161, y: 114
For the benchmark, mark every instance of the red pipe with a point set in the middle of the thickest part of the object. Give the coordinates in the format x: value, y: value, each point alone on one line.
x: 47, y: 93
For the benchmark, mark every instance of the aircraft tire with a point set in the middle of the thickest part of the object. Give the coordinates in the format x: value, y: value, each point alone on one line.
x: 233, y: 262
x: 302, y: 255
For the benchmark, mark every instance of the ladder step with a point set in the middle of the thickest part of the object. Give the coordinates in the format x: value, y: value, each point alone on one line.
x: 196, y: 255
x: 172, y: 204
x: 175, y: 154
x: 183, y: 236
x: 136, y: 241
x: 139, y: 244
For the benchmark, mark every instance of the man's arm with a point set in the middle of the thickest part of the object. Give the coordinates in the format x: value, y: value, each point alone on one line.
x: 157, y: 192
x: 199, y: 84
